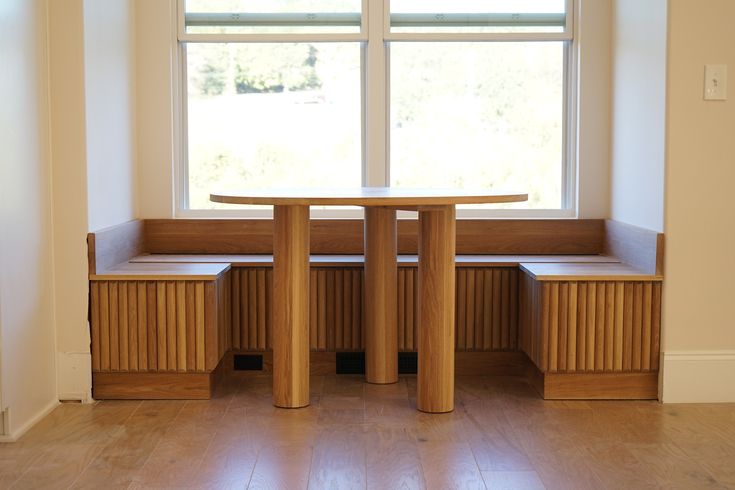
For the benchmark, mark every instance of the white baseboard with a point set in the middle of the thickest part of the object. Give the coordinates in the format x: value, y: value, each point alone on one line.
x: 698, y: 377
x: 18, y: 433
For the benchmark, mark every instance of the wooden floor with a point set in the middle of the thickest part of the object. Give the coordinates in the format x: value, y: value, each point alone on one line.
x: 354, y: 435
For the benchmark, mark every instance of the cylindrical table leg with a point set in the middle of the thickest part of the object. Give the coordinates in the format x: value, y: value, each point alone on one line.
x: 291, y: 306
x: 381, y: 303
x: 437, y: 237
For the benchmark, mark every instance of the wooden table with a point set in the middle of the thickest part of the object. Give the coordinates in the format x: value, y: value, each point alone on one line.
x: 436, y: 208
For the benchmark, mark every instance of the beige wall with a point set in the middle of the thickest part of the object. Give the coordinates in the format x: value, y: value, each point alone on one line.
x: 699, y: 325
x: 156, y: 32
x: 593, y: 137
x: 69, y: 157
x: 92, y: 69
x: 27, y: 338
x: 638, y: 112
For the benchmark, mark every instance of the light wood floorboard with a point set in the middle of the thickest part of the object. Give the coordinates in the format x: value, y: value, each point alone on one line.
x: 356, y: 435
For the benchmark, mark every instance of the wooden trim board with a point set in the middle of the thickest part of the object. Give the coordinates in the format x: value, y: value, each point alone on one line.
x: 157, y: 386
x: 594, y: 386
x: 152, y: 386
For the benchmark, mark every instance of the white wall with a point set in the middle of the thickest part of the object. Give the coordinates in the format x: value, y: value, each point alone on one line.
x: 109, y: 67
x: 638, y: 112
x: 27, y: 361
x: 699, y: 325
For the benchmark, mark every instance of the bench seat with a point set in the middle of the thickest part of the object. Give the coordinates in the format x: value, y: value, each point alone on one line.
x: 585, y: 272
x: 159, y: 330
x: 359, y: 260
x: 592, y: 331
x: 162, y: 271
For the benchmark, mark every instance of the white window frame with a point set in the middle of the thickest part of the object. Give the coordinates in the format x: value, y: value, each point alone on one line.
x: 375, y: 37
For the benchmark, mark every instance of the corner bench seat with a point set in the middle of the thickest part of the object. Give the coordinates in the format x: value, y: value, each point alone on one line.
x: 592, y: 331
x: 159, y: 331
x: 610, y: 271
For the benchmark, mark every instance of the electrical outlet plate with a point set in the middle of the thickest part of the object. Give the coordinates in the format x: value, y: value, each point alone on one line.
x: 715, y: 82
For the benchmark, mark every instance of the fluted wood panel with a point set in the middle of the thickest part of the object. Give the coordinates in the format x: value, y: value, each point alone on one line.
x: 407, y: 308
x: 569, y: 327
x: 335, y: 308
x: 487, y: 309
x: 486, y: 319
x: 159, y: 326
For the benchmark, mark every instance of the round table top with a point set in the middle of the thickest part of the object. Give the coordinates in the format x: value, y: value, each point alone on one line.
x: 367, y: 196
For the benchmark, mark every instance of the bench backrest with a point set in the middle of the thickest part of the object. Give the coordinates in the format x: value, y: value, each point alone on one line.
x: 114, y: 245
x: 529, y: 237
x: 639, y: 247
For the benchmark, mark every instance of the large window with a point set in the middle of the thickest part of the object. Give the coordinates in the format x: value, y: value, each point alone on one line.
x: 406, y: 93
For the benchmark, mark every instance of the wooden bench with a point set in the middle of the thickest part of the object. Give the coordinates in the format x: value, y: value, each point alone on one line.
x: 159, y: 330
x: 591, y: 330
x: 492, y: 267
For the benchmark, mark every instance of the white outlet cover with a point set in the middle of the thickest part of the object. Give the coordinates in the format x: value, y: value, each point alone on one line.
x: 715, y: 82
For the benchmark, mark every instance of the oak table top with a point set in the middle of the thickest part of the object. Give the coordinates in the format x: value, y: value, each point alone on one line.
x: 367, y: 196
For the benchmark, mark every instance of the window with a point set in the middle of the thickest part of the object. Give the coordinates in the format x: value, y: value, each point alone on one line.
x: 406, y: 93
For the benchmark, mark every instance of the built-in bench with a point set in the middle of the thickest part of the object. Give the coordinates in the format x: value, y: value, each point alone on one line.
x: 493, y: 301
x: 159, y: 330
x: 591, y: 330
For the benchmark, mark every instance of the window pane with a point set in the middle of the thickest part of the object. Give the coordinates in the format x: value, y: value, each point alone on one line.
x: 272, y: 115
x: 273, y: 16
x: 486, y: 115
x: 500, y: 16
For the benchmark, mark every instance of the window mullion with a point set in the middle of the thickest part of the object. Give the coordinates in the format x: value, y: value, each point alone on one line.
x: 375, y: 172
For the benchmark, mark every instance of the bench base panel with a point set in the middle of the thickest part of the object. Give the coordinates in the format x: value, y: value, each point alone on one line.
x: 156, y: 386
x: 594, y: 386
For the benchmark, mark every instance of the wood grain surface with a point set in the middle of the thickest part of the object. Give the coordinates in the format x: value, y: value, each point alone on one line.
x: 380, y: 296
x: 291, y: 311
x: 159, y: 326
x: 238, y: 440
x: 591, y: 326
x: 436, y: 286
x: 114, y: 245
x: 367, y: 196
x: 639, y: 247
x: 252, y: 236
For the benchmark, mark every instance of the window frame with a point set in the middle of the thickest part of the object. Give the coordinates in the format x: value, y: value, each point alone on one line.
x: 375, y: 37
